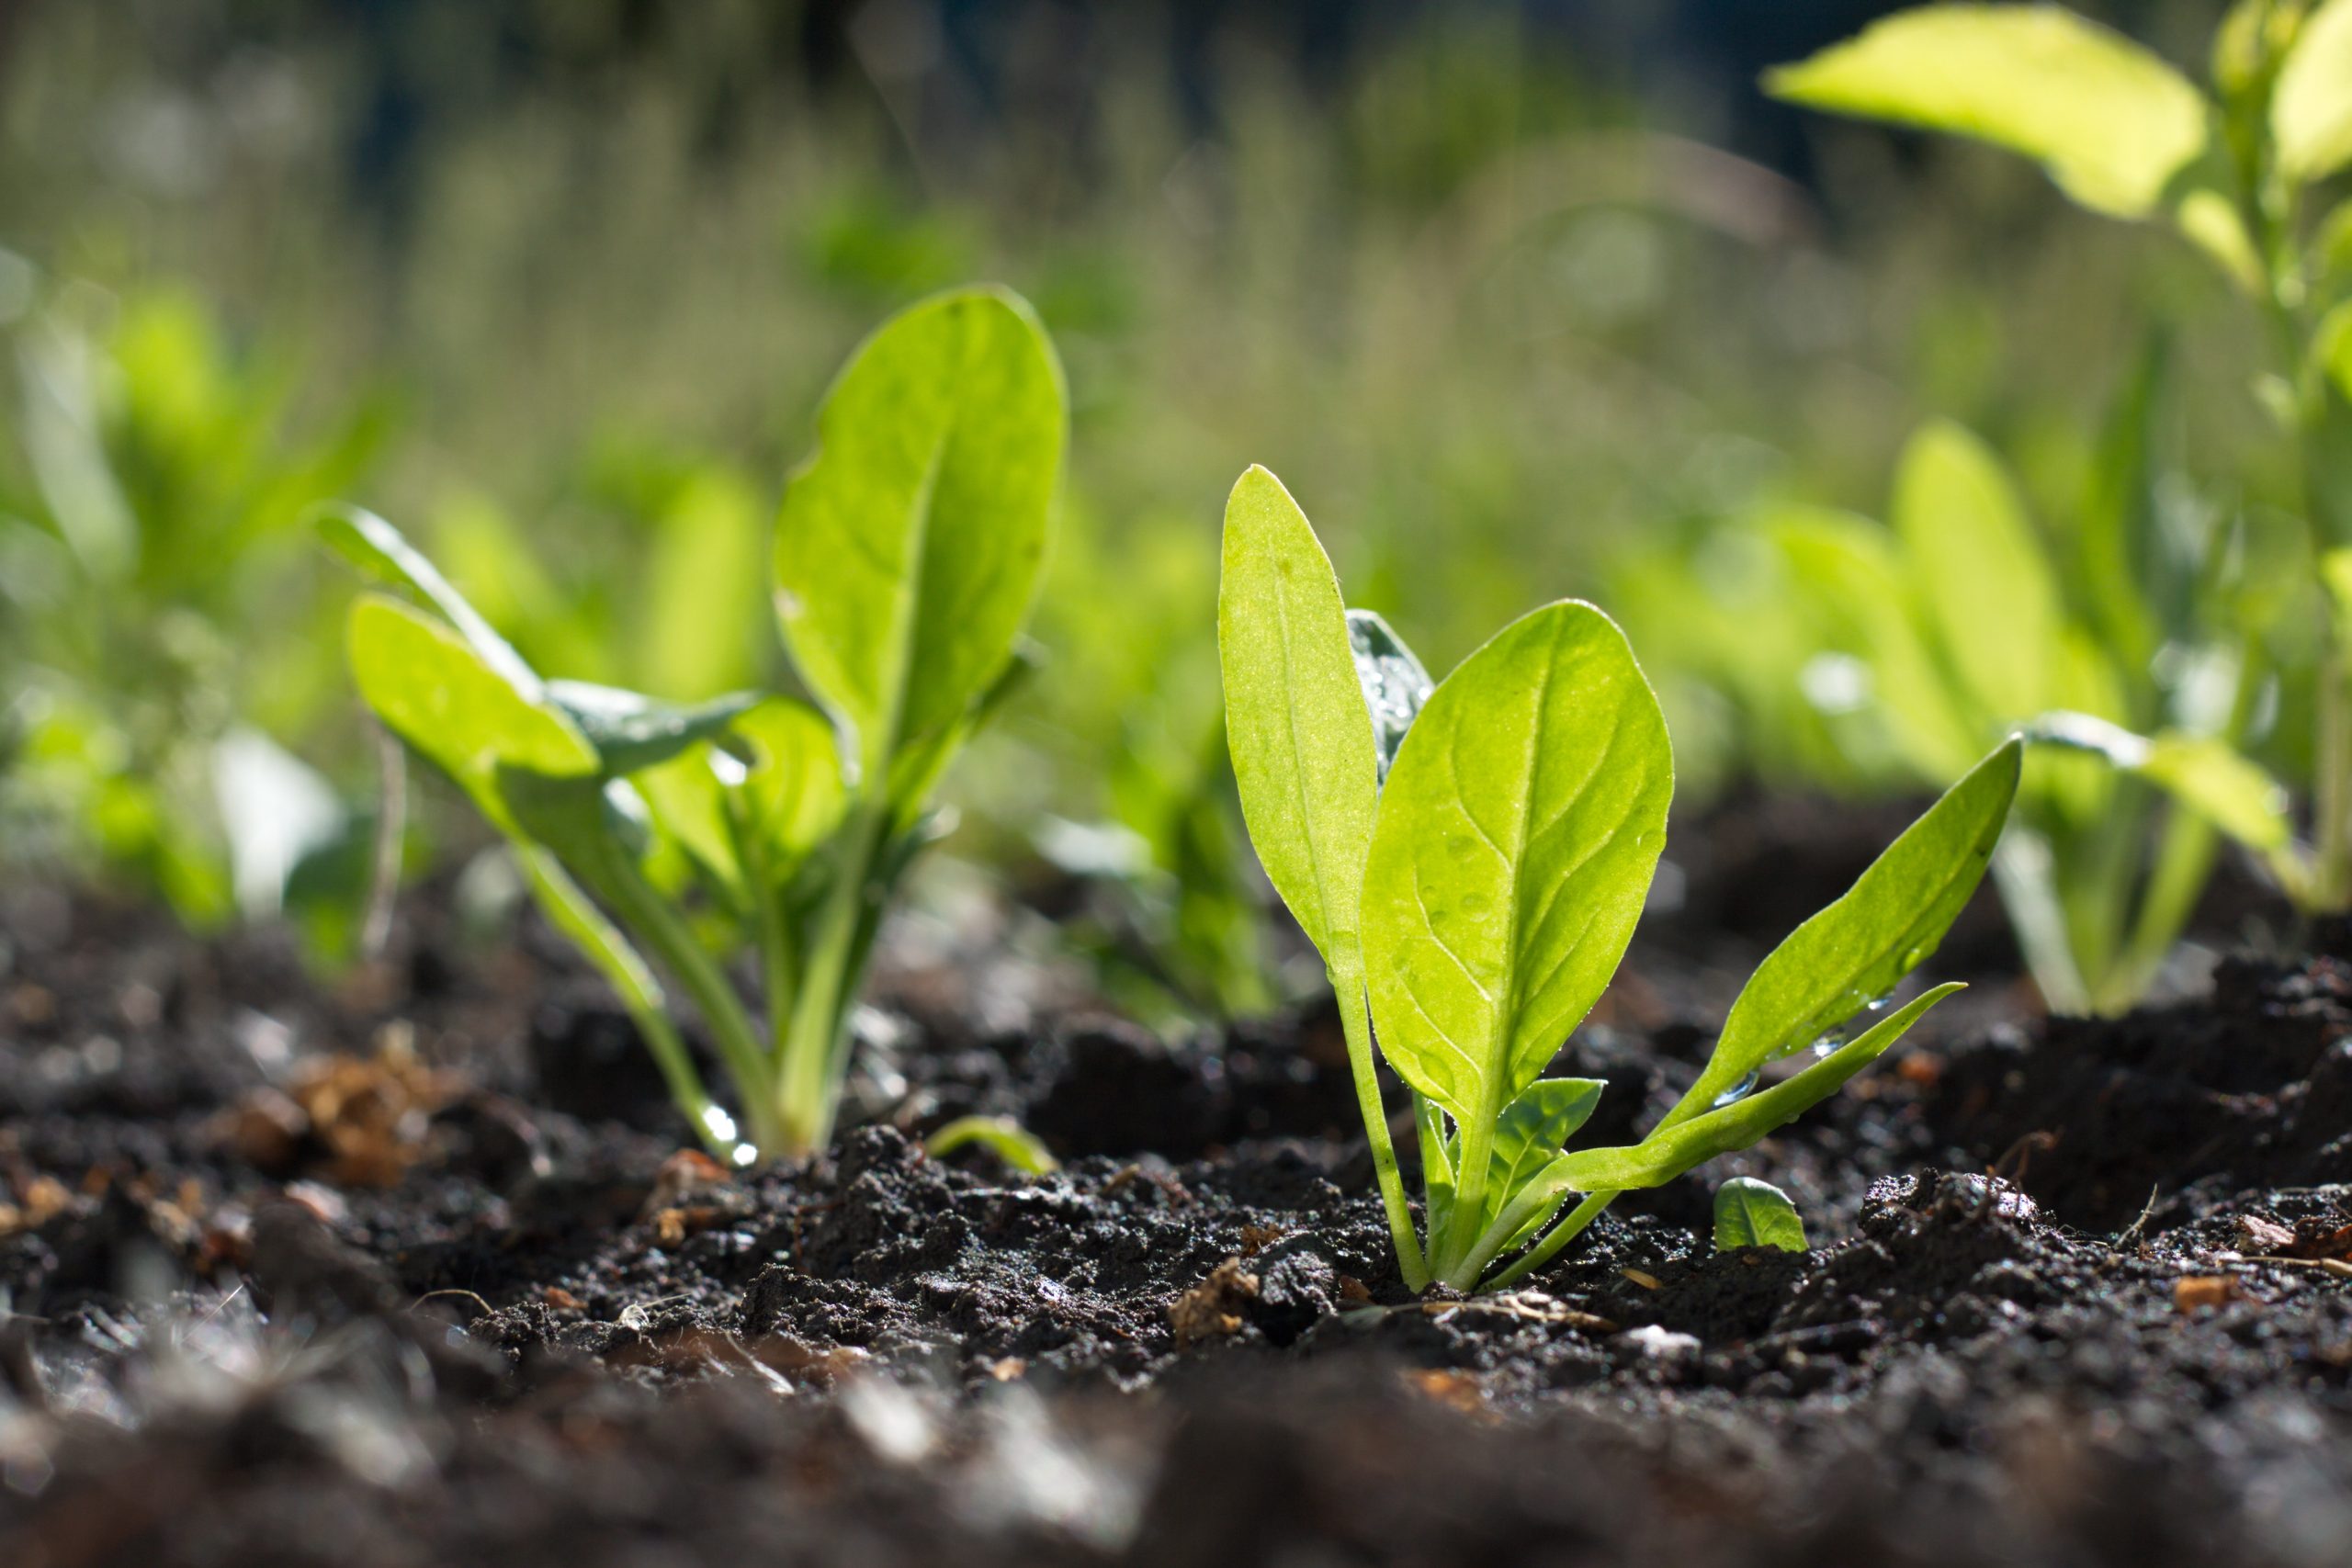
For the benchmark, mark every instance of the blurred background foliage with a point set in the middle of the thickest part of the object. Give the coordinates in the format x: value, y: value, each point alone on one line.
x: 1522, y: 301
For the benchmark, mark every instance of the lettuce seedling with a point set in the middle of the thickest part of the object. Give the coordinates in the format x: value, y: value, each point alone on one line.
x: 1470, y: 859
x: 906, y: 560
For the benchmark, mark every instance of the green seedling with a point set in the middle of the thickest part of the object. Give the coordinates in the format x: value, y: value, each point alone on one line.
x: 1002, y: 1136
x: 1470, y: 859
x: 1750, y: 1213
x: 906, y: 558
x: 2237, y: 167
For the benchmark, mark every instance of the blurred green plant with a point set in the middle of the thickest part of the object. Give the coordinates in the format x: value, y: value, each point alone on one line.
x: 1971, y: 609
x: 148, y: 515
x: 906, y: 558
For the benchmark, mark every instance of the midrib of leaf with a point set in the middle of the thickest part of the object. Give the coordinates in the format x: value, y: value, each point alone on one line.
x: 1350, y: 940
x: 908, y: 595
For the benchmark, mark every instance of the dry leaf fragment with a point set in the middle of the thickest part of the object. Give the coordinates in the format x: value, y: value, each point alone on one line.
x: 1457, y: 1390
x: 1212, y: 1309
x: 1646, y: 1281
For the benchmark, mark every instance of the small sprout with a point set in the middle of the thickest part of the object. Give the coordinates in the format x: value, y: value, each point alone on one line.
x: 1750, y: 1213
x: 1002, y: 1136
x: 906, y: 555
x: 1473, y: 897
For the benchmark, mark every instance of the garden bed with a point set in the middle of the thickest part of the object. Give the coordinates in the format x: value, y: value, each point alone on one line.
x: 411, y: 1270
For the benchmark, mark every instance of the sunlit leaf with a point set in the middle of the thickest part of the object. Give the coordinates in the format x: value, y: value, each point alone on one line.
x: 2109, y: 122
x: 1750, y: 1213
x: 2311, y: 105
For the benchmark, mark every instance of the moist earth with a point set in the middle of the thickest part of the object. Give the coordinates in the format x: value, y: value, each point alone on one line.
x: 411, y: 1269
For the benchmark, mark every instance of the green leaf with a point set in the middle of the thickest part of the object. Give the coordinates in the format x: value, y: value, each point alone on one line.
x: 383, y: 553
x: 1851, y: 955
x: 1750, y: 1213
x: 631, y: 730
x: 2311, y: 105
x: 1514, y: 845
x: 1304, y: 757
x: 794, y: 781
x: 434, y: 690
x: 1980, y: 569
x: 2332, y: 348
x: 1395, y: 684
x: 907, y: 551
x: 2110, y: 122
x: 2203, y: 773
x: 1670, y: 1150
x: 1001, y: 1135
x: 1533, y: 1130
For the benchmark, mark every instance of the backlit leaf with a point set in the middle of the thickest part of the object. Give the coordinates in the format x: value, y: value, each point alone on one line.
x: 909, y: 548
x: 1750, y: 1213
x: 1294, y: 717
x: 2110, y: 122
x: 1514, y: 845
x: 2311, y: 105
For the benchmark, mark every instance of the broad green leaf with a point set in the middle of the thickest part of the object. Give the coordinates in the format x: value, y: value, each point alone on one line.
x: 1513, y: 846
x: 1750, y: 1213
x: 1849, y: 957
x: 1001, y: 1135
x: 1670, y: 1150
x: 907, y: 550
x: 631, y: 730
x: 2311, y: 105
x: 1304, y: 756
x: 688, y: 802
x: 1395, y: 684
x: 2110, y: 122
x: 383, y: 553
x: 434, y: 690
x: 1849, y: 567
x: 2204, y: 774
x: 1980, y: 569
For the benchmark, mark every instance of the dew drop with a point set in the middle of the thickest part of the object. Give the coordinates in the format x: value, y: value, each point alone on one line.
x: 1737, y: 1091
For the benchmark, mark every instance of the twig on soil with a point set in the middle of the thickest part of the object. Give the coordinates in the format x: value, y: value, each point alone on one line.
x: 2131, y: 1233
x: 487, y: 1310
x: 1530, y: 1306
x: 2335, y: 1268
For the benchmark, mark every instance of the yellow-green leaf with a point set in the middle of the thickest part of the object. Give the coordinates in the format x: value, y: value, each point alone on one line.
x: 2110, y: 122
x: 2311, y: 106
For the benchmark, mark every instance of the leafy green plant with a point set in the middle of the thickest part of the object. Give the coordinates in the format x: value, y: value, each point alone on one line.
x: 1470, y: 858
x: 2238, y: 169
x: 1959, y: 614
x: 906, y: 558
x: 1750, y: 1213
x: 152, y: 625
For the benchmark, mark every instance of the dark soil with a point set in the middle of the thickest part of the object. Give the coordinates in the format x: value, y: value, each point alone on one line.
x: 454, y: 1298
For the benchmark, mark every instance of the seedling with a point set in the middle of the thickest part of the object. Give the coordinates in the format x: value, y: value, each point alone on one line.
x: 1002, y: 1136
x: 1470, y: 860
x: 2236, y: 169
x: 1750, y: 1213
x: 906, y: 558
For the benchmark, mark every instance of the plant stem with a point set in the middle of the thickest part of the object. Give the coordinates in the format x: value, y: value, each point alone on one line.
x: 659, y: 927
x: 1355, y: 1023
x: 811, y: 1059
x: 1560, y: 1235
x: 2021, y: 872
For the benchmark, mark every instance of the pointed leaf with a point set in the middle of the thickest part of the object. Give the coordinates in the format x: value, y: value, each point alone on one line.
x: 909, y: 548
x: 2110, y: 122
x: 1852, y: 953
x: 1514, y: 845
x: 1750, y: 1213
x: 1304, y: 756
x: 383, y: 553
x: 2203, y: 773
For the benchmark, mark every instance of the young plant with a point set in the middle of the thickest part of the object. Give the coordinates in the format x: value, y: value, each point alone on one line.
x: 906, y: 558
x: 1959, y: 614
x: 2239, y: 171
x: 1470, y: 861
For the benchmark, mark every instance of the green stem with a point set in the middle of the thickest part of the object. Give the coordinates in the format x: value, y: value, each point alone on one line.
x: 811, y: 1058
x: 2184, y: 865
x: 2022, y: 874
x: 648, y: 915
x: 632, y: 981
x: 1543, y: 1251
x: 1355, y: 1023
